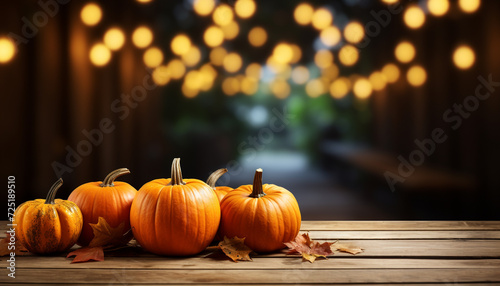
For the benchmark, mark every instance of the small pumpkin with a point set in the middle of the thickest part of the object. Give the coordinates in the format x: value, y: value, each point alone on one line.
x: 220, y: 191
x: 266, y: 215
x: 50, y: 225
x: 109, y: 199
x: 175, y: 216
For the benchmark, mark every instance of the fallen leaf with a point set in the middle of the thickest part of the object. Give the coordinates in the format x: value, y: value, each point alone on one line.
x: 104, y: 234
x: 308, y: 248
x: 86, y: 254
x: 4, y: 246
x: 347, y: 248
x: 235, y: 248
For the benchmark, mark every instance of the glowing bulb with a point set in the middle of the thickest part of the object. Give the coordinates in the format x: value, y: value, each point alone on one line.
x: 405, y: 52
x: 114, y: 39
x: 283, y: 53
x: 391, y: 72
x: 390, y: 1
x: 257, y: 37
x: 330, y: 36
x: 469, y: 6
x: 416, y: 75
x: 303, y: 14
x: 322, y: 18
x: 153, y: 57
x: 7, y: 50
x: 362, y: 88
x: 414, y: 17
x: 253, y: 70
x: 192, y: 57
x: 464, y: 57
x: 180, y: 45
x: 213, y: 36
x: 217, y: 56
x: 230, y: 30
x: 223, y: 15
x: 231, y: 86
x: 339, y: 87
x: 142, y: 37
x: 177, y: 69
x: 144, y: 1
x: 245, y: 8
x: 297, y: 53
x: 315, y: 88
x: 249, y: 85
x: 91, y: 14
x: 348, y: 55
x: 232, y: 62
x: 300, y: 74
x: 203, y: 7
x: 189, y: 92
x: 100, y: 55
x: 280, y: 88
x: 330, y: 72
x: 438, y: 7
x: 323, y: 58
x: 354, y: 32
x: 161, y: 75
x: 378, y: 80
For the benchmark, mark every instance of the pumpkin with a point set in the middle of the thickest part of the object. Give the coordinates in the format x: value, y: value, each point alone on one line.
x: 175, y: 216
x: 108, y: 199
x: 50, y: 225
x: 220, y: 191
x: 266, y: 215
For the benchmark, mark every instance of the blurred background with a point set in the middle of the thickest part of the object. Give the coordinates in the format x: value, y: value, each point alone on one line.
x: 364, y: 109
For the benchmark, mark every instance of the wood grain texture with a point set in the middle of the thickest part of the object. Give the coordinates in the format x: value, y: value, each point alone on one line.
x: 400, y: 225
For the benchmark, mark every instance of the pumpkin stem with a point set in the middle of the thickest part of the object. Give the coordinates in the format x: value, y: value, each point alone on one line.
x: 51, y: 195
x: 111, y: 177
x: 212, y: 179
x: 257, y: 191
x: 176, y: 176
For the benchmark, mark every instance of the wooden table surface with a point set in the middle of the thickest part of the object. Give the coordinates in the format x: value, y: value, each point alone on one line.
x: 395, y: 253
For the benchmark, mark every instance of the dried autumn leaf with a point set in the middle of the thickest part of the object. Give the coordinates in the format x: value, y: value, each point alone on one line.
x: 347, y: 248
x: 235, y: 248
x: 6, y: 247
x: 308, y: 248
x: 104, y: 234
x: 87, y: 254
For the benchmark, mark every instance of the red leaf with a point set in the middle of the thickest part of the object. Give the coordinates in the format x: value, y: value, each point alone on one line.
x: 87, y: 254
x: 308, y: 248
x: 105, y: 235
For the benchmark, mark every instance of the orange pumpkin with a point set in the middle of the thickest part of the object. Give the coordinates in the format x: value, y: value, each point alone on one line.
x: 266, y: 215
x: 50, y: 225
x: 109, y: 199
x: 175, y: 216
x: 221, y: 191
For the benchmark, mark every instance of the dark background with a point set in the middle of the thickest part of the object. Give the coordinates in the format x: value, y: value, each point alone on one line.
x: 332, y: 155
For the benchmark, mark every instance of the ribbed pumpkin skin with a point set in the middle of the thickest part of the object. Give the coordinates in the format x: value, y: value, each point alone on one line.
x: 112, y: 203
x: 48, y: 228
x: 265, y: 222
x: 176, y: 220
x: 222, y: 191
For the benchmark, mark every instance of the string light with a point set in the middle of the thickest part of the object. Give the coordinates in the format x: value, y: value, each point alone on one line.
x: 257, y: 36
x: 390, y: 1
x: 114, y: 39
x: 405, y: 52
x: 416, y: 75
x: 323, y: 59
x: 280, y: 88
x: 348, y: 55
x: 414, y: 17
x: 464, y: 57
x: 331, y: 72
x: 231, y: 86
x: 245, y: 8
x: 303, y: 14
x: 249, y: 85
x: 144, y: 1
x: 161, y: 75
x: 340, y: 87
x: 7, y: 50
x: 213, y: 36
x: 223, y: 15
x: 438, y: 7
x: 203, y: 7
x: 378, y: 80
x: 231, y: 30
x: 177, y: 69
x: 315, y: 88
x: 100, y: 55
x: 283, y: 53
x: 91, y: 14
x: 354, y: 32
x: 362, y: 88
x: 180, y: 44
x: 153, y: 57
x: 300, y: 74
x: 232, y: 62
x: 469, y: 6
x: 391, y: 72
x: 217, y: 56
x: 192, y: 57
x: 321, y: 19
x: 330, y: 36
x: 253, y: 70
x: 142, y: 37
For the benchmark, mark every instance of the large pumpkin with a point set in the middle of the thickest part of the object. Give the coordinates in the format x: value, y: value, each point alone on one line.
x: 50, y: 225
x: 109, y: 199
x: 175, y: 216
x: 220, y: 191
x: 266, y: 215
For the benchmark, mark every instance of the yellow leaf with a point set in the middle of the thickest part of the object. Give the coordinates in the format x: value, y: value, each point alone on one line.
x: 347, y: 248
x: 235, y: 248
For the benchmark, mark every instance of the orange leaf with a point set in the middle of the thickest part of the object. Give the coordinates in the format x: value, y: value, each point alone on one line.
x: 347, y: 248
x: 87, y: 254
x: 235, y: 248
x: 7, y: 247
x: 308, y: 248
x: 104, y: 234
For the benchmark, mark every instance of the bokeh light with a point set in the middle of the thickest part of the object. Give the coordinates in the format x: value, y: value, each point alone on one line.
x: 203, y: 7
x: 253, y: 70
x: 390, y: 1
x: 223, y: 15
x: 469, y: 6
x: 354, y: 32
x: 245, y: 8
x: 331, y: 72
x: 280, y: 88
x: 438, y: 7
x: 114, y: 39
x: 330, y: 36
x: 257, y: 36
x: 323, y: 58
x: 348, y: 55
x: 217, y: 56
x: 322, y: 18
x: 153, y: 57
x: 414, y: 17
x: 144, y: 1
x: 362, y: 88
x: 464, y: 57
x: 231, y: 86
x: 142, y: 37
x: 249, y: 85
x: 192, y: 57
x: 340, y: 87
x: 315, y: 88
x: 416, y: 75
x: 161, y: 75
x: 7, y: 50
x: 232, y: 62
x: 100, y: 55
x: 180, y: 45
x: 378, y: 80
x: 176, y: 68
x: 303, y: 14
x: 300, y: 74
x: 91, y: 14
x: 213, y: 36
x: 391, y: 72
x: 297, y: 53
x: 231, y: 30
x: 283, y: 53
x: 405, y: 52
x: 189, y: 92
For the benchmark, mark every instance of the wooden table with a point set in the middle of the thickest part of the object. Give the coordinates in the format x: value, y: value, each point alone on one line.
x: 396, y: 253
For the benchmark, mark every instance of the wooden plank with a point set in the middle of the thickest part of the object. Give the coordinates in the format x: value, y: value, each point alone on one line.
x: 277, y: 284
x: 400, y: 225
x: 404, y: 234
x: 68, y: 276
x: 219, y: 262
